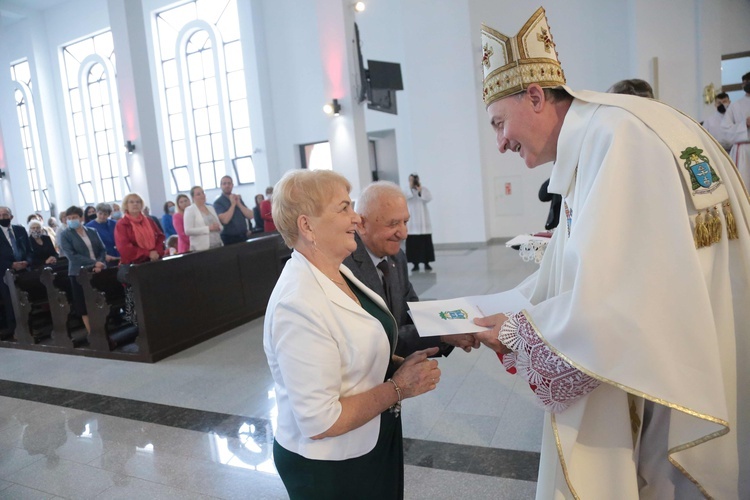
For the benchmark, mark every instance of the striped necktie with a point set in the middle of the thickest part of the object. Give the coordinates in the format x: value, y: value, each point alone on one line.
x: 384, y: 267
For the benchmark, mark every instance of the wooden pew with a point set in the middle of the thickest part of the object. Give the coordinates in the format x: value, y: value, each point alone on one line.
x: 29, y: 300
x: 105, y: 301
x: 180, y: 301
x: 68, y: 330
x: 186, y: 299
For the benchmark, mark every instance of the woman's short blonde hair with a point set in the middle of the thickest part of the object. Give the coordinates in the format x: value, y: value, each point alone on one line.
x: 131, y: 195
x: 302, y: 192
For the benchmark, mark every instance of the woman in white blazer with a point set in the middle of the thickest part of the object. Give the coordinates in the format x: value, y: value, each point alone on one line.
x: 329, y: 341
x: 201, y: 222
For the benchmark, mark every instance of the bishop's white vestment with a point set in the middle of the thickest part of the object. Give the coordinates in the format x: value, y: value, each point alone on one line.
x: 638, y: 342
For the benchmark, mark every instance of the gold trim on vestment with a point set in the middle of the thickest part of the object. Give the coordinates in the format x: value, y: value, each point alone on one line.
x: 561, y: 456
x: 630, y: 390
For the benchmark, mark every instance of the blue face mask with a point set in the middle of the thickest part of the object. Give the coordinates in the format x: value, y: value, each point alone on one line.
x: 116, y: 215
x: 74, y: 224
x: 171, y: 210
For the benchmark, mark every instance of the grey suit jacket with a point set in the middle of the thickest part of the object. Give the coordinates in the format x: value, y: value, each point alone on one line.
x: 402, y: 291
x: 78, y: 253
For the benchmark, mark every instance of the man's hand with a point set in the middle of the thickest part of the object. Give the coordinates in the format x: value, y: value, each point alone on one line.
x: 98, y: 266
x: 465, y: 341
x: 50, y: 260
x: 489, y: 337
x: 20, y: 265
x: 153, y: 255
x: 110, y: 258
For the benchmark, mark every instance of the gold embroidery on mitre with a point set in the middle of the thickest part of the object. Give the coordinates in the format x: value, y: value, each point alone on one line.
x: 486, y: 54
x: 546, y: 39
x: 511, y: 64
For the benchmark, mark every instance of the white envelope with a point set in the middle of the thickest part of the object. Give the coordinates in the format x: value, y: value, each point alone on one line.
x: 447, y: 317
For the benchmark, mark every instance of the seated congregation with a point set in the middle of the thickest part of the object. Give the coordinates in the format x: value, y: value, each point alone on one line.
x: 100, y: 282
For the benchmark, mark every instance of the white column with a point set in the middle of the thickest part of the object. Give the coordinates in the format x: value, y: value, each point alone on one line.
x: 348, y: 135
x: 135, y: 88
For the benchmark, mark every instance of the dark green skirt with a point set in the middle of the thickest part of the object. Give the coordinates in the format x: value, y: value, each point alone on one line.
x: 378, y: 475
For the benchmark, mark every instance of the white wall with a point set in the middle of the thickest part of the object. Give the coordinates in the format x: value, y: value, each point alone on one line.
x: 441, y: 130
x: 295, y: 72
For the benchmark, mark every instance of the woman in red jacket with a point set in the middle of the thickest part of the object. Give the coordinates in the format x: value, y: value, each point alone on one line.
x: 136, y: 236
x: 138, y: 240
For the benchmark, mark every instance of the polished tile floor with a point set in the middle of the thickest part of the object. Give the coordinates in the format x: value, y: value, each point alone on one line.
x: 200, y: 423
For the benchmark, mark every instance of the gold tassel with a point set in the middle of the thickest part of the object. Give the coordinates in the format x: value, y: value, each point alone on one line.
x: 731, y: 223
x: 702, y: 236
x: 715, y: 226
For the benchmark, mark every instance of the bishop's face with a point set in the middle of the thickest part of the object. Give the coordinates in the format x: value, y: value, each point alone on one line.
x: 523, y: 124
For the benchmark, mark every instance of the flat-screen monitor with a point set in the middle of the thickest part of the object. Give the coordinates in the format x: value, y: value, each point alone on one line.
x: 382, y: 100
x: 384, y: 75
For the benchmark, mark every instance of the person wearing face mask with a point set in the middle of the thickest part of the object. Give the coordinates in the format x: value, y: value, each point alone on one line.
x: 14, y: 254
x: 83, y: 247
x: 166, y: 219
x: 42, y: 249
x: 89, y: 214
x: 713, y: 122
x: 736, y: 125
x: 116, y: 212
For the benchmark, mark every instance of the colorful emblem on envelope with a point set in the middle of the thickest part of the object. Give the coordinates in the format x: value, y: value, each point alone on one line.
x: 702, y: 175
x: 455, y: 314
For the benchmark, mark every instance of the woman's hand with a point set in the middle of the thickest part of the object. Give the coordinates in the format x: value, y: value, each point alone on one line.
x: 98, y: 266
x: 153, y: 255
x: 417, y: 374
x: 50, y: 260
x: 214, y: 227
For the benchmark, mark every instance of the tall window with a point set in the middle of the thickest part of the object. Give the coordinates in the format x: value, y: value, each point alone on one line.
x: 20, y: 73
x: 204, y: 98
x: 733, y: 66
x: 95, y: 125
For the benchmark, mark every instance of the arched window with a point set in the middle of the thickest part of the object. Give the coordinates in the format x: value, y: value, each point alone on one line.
x: 204, y: 98
x: 96, y: 129
x: 21, y: 75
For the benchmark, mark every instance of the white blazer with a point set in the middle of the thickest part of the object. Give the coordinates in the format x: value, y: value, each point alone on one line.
x: 321, y: 346
x: 196, y: 228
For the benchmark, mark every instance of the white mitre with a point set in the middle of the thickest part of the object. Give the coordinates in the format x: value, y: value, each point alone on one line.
x: 511, y: 64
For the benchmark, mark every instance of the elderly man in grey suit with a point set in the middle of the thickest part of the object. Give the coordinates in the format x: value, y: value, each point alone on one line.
x: 379, y: 263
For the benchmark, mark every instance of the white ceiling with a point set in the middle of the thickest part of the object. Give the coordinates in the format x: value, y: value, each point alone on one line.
x: 12, y: 11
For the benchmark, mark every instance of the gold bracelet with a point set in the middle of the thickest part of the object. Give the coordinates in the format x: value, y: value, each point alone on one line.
x: 396, y: 407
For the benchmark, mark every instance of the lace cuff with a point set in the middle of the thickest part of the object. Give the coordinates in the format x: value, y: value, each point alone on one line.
x: 556, y: 383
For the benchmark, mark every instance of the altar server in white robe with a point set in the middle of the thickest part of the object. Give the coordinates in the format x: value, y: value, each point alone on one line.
x: 714, y: 122
x: 637, y: 341
x: 736, y: 126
